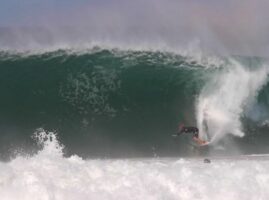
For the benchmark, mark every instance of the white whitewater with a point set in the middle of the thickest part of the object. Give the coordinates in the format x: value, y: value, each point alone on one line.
x: 223, y: 99
x: 50, y: 176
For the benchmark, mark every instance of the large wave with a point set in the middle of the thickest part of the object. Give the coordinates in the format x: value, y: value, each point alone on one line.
x: 114, y: 103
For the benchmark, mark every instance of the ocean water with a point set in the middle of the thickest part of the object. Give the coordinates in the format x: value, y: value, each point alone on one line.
x: 98, y: 124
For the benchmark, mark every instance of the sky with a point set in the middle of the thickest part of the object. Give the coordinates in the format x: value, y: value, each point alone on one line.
x: 18, y: 12
x: 237, y: 26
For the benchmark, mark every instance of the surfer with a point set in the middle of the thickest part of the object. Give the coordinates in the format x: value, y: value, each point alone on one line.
x: 199, y: 141
x: 195, y: 134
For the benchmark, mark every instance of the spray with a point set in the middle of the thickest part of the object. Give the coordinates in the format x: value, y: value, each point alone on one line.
x: 223, y: 99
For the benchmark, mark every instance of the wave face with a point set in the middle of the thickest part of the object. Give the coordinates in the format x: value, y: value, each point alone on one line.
x: 115, y: 103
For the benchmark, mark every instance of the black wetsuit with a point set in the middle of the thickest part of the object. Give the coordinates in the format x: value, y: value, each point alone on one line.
x: 193, y: 130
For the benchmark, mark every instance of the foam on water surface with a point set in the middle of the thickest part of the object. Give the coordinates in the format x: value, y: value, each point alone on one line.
x: 45, y: 178
x: 50, y: 176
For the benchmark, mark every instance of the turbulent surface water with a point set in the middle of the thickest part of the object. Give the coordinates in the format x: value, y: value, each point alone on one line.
x: 115, y: 103
x: 48, y: 175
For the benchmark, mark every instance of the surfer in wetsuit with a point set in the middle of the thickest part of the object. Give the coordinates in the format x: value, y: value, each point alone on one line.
x: 191, y: 130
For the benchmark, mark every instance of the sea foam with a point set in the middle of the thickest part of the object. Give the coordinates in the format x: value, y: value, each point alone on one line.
x: 49, y: 175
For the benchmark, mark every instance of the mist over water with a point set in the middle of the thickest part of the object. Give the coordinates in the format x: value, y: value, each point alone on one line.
x: 230, y: 27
